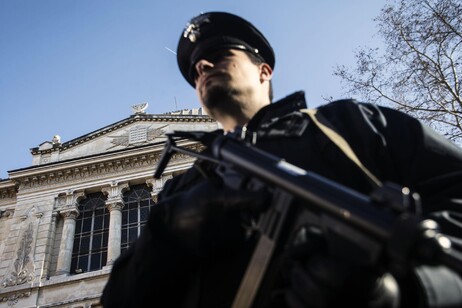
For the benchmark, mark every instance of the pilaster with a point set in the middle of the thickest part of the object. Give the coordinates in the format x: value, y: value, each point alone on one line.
x: 52, y: 234
x: 69, y: 212
x: 114, y: 204
x: 67, y: 241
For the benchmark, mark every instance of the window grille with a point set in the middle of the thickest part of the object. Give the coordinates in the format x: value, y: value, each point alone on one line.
x: 91, y: 235
x: 137, y: 206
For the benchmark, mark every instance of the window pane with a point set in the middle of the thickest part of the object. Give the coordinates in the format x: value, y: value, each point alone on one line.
x: 96, y: 243
x: 76, y: 247
x: 86, y: 225
x: 133, y: 216
x: 133, y: 234
x: 98, y: 223
x: 78, y: 226
x: 73, y: 265
x: 144, y: 213
x: 106, y: 221
x: 95, y: 261
x: 83, y: 263
x: 84, y: 244
x: 104, y: 258
x: 144, y: 203
x: 87, y: 214
x: 105, y: 239
x: 124, y: 236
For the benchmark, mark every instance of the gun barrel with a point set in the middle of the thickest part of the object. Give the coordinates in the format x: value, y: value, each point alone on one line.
x: 319, y: 192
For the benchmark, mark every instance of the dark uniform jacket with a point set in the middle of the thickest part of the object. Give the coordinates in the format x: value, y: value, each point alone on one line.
x: 395, y: 147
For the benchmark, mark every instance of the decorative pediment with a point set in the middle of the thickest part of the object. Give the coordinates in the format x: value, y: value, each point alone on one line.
x: 138, y: 130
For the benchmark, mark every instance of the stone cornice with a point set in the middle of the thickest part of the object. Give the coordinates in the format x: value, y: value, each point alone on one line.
x: 95, y: 167
x: 8, y: 189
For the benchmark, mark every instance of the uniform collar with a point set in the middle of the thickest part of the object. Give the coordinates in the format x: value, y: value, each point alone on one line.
x: 292, y: 102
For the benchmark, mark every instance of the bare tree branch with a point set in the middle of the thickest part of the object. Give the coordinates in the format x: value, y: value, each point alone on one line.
x: 419, y: 70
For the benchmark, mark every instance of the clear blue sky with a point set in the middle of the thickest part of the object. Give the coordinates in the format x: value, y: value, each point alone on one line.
x: 71, y: 67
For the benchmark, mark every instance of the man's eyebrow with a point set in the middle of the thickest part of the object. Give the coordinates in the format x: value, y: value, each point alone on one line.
x: 219, y: 52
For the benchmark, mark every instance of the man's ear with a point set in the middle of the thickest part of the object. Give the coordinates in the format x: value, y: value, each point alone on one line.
x: 266, y: 73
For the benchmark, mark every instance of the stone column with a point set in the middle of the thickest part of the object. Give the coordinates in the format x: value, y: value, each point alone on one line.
x: 49, y: 247
x: 157, y: 185
x: 67, y: 240
x: 114, y: 204
x: 68, y: 209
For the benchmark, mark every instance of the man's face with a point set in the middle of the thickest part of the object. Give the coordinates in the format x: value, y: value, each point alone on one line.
x: 226, y: 77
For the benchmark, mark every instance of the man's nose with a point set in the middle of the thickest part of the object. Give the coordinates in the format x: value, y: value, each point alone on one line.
x: 203, y: 66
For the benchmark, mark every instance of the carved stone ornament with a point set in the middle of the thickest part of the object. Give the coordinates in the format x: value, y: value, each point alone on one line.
x: 69, y: 200
x: 140, y: 108
x: 158, y: 184
x: 137, y: 135
x: 13, y: 299
x: 7, y: 213
x: 70, y: 213
x: 115, y: 190
x: 114, y: 206
x: 22, y: 267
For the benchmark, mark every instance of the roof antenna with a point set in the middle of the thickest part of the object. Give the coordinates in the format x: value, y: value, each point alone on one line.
x: 176, y: 106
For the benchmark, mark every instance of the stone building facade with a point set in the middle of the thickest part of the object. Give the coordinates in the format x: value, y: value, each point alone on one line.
x: 68, y: 216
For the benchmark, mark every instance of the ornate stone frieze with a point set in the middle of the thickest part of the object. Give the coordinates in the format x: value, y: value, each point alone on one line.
x: 99, y: 170
x: 8, y: 193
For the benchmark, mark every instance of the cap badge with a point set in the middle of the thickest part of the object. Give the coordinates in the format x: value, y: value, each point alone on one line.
x: 192, y: 29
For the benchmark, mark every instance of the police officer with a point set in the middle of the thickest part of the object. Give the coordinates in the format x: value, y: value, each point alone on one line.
x: 196, y: 245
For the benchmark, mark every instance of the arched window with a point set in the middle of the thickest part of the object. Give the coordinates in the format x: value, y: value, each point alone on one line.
x: 137, y: 205
x: 91, y: 235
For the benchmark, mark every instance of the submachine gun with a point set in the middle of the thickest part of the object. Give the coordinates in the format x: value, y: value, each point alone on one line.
x: 381, y: 223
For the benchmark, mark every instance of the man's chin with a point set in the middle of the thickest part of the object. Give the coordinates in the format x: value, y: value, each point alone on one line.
x: 215, y: 96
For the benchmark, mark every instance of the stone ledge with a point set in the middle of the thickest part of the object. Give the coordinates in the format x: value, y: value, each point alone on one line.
x: 66, y: 278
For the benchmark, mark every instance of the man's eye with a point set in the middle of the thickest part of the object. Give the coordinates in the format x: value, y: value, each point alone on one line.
x: 215, y: 58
